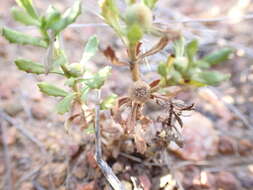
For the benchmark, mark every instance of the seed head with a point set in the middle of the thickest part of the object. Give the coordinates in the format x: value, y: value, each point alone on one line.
x: 139, y: 92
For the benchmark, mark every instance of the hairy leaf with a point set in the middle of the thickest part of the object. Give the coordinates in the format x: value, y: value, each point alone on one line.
x: 90, y: 49
x: 29, y: 66
x: 20, y: 38
x: 98, y: 79
x: 28, y: 6
x: 68, y: 17
x: 210, y: 77
x: 64, y: 105
x: 191, y: 49
x: 51, y: 90
x: 218, y: 56
x: 23, y: 17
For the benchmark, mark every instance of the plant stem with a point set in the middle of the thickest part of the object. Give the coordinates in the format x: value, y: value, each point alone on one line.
x: 105, y: 168
x: 134, y: 66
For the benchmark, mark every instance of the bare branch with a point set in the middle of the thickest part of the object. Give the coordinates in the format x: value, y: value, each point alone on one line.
x: 105, y: 168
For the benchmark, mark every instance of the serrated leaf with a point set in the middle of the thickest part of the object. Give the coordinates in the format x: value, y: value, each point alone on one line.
x: 51, y: 90
x: 20, y: 38
x: 29, y: 66
x: 210, y: 77
x: 28, y: 6
x: 23, y: 17
x: 191, y: 49
x: 108, y: 102
x: 134, y: 33
x: 150, y: 3
x: 68, y: 17
x: 64, y: 105
x: 110, y: 12
x: 98, y: 79
x: 90, y: 49
x: 218, y: 56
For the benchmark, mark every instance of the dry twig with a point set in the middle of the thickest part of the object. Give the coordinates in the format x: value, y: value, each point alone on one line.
x: 105, y: 168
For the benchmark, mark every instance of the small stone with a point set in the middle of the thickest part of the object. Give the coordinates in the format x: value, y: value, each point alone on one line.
x: 13, y: 108
x: 39, y: 112
x: 226, y: 145
x: 227, y: 181
x: 80, y: 172
x: 245, y: 147
x: 58, y: 172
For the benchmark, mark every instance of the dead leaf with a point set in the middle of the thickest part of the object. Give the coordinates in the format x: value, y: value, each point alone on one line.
x: 158, y: 47
x: 110, y: 54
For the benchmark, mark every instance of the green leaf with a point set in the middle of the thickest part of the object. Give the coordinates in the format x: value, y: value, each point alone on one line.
x: 108, y: 102
x: 201, y: 64
x: 68, y: 17
x: 64, y: 105
x: 23, y: 17
x: 52, y: 16
x: 163, y: 69
x: 90, y: 49
x: 210, y: 77
x: 150, y: 3
x: 181, y: 64
x: 191, y: 49
x: 218, y: 56
x: 179, y: 47
x: 20, y: 38
x: 134, y: 34
x: 29, y: 66
x: 51, y: 90
x: 98, y: 79
x: 111, y: 14
x: 28, y: 6
x: 84, y: 93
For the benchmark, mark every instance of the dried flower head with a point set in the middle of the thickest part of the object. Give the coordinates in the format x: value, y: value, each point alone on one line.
x: 139, y: 92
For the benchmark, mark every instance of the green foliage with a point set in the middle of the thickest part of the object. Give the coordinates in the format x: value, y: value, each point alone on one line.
x: 90, y: 49
x: 23, y: 39
x: 58, y: 24
x: 150, y: 3
x: 97, y: 80
x: 29, y: 8
x: 110, y: 12
x: 218, y: 56
x: 51, y: 90
x: 134, y: 34
x: 108, y: 102
x: 64, y: 105
x: 187, y: 69
x: 29, y: 66
x: 24, y: 18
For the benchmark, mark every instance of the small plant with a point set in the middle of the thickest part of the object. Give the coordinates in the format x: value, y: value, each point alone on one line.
x: 182, y: 67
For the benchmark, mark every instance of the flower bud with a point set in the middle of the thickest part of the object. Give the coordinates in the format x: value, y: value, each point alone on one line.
x: 139, y: 14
